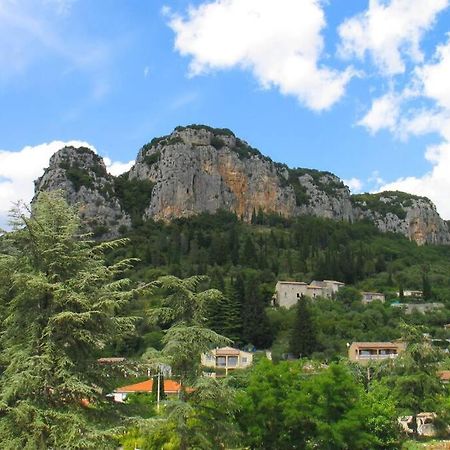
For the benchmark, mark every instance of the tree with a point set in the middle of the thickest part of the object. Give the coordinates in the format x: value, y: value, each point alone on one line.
x: 184, y: 307
x: 303, y: 341
x: 256, y: 325
x: 60, y: 309
x: 413, y: 380
x: 426, y: 285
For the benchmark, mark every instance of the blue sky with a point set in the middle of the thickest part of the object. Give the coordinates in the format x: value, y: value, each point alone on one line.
x: 358, y: 88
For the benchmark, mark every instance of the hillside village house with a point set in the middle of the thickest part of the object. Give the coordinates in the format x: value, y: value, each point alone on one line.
x: 224, y: 359
x: 422, y: 308
x: 369, y: 297
x: 287, y: 293
x: 171, y: 388
x: 410, y: 293
x: 364, y: 352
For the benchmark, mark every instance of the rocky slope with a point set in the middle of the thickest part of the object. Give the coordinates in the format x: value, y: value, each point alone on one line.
x: 83, y: 178
x: 199, y: 169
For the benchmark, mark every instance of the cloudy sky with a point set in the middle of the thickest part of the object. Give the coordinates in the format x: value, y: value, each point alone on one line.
x: 359, y: 88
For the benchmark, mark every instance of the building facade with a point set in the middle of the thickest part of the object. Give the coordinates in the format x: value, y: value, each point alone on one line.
x: 287, y: 293
x: 225, y: 359
x: 364, y: 352
x: 369, y: 297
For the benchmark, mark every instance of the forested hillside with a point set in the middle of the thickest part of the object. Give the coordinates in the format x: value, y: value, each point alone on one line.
x: 246, y: 260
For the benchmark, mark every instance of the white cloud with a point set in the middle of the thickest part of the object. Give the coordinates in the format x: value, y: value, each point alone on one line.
x: 355, y: 184
x: 435, y: 77
x: 18, y: 170
x: 281, y: 44
x: 390, y: 31
x: 116, y: 167
x: 435, y: 184
x: 384, y: 113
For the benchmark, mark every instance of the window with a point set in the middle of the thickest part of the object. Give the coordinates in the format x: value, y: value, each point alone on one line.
x: 244, y: 360
x: 221, y: 361
x: 298, y: 295
x: 232, y: 361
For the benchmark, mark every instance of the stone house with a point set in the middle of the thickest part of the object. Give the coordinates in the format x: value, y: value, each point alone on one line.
x: 287, y: 293
x: 368, y: 297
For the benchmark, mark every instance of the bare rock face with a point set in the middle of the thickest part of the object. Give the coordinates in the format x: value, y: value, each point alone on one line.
x: 414, y: 217
x: 199, y: 169
x: 83, y: 178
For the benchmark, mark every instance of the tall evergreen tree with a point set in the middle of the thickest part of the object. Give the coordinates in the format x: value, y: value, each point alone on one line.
x: 303, y: 341
x: 256, y: 326
x: 60, y: 309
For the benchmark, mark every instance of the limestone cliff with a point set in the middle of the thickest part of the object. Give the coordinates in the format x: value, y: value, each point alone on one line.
x: 199, y: 169
x: 82, y: 176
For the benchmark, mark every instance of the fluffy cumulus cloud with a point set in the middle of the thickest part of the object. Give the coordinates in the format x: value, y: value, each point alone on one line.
x: 280, y: 43
x: 18, y: 170
x: 390, y: 31
x: 432, y: 81
x: 435, y: 184
x: 355, y: 184
x: 384, y: 113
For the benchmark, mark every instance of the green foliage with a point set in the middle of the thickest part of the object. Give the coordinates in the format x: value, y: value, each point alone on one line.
x: 61, y: 307
x: 134, y: 196
x: 289, y: 405
x: 217, y: 143
x: 304, y: 336
x: 413, y: 380
x: 215, y: 131
x: 152, y: 158
x: 393, y: 202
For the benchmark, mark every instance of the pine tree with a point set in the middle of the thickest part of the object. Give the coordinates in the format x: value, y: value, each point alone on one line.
x: 255, y: 323
x: 59, y: 311
x: 426, y: 285
x: 303, y: 339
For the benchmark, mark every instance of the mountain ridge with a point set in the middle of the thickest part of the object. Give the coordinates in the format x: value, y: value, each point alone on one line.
x: 199, y: 169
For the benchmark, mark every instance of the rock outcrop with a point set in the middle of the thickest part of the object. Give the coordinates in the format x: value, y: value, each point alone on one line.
x: 82, y: 176
x: 199, y: 169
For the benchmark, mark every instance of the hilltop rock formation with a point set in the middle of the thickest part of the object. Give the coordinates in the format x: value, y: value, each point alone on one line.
x: 82, y: 176
x: 199, y: 169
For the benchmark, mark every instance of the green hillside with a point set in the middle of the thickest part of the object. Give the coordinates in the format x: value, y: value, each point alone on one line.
x: 246, y: 260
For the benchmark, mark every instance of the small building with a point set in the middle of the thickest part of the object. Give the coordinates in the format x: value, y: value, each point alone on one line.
x: 425, y: 424
x: 364, y: 352
x: 224, y: 359
x: 314, y: 291
x: 171, y: 388
x: 369, y: 297
x: 287, y: 293
x: 411, y: 294
x: 329, y: 287
x: 444, y: 376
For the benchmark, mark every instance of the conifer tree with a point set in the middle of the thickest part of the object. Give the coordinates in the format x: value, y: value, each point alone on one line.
x: 60, y: 308
x: 303, y: 339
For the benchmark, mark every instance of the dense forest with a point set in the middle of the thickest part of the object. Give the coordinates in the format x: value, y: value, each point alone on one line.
x: 245, y: 261
x: 168, y: 293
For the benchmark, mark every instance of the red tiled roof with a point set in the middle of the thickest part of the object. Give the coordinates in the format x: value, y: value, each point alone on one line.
x: 444, y: 375
x: 170, y: 387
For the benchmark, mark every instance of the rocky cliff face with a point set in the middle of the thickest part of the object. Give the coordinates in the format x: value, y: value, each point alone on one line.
x: 82, y: 176
x: 199, y: 169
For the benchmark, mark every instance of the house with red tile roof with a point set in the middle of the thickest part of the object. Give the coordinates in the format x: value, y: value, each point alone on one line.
x: 171, y: 388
